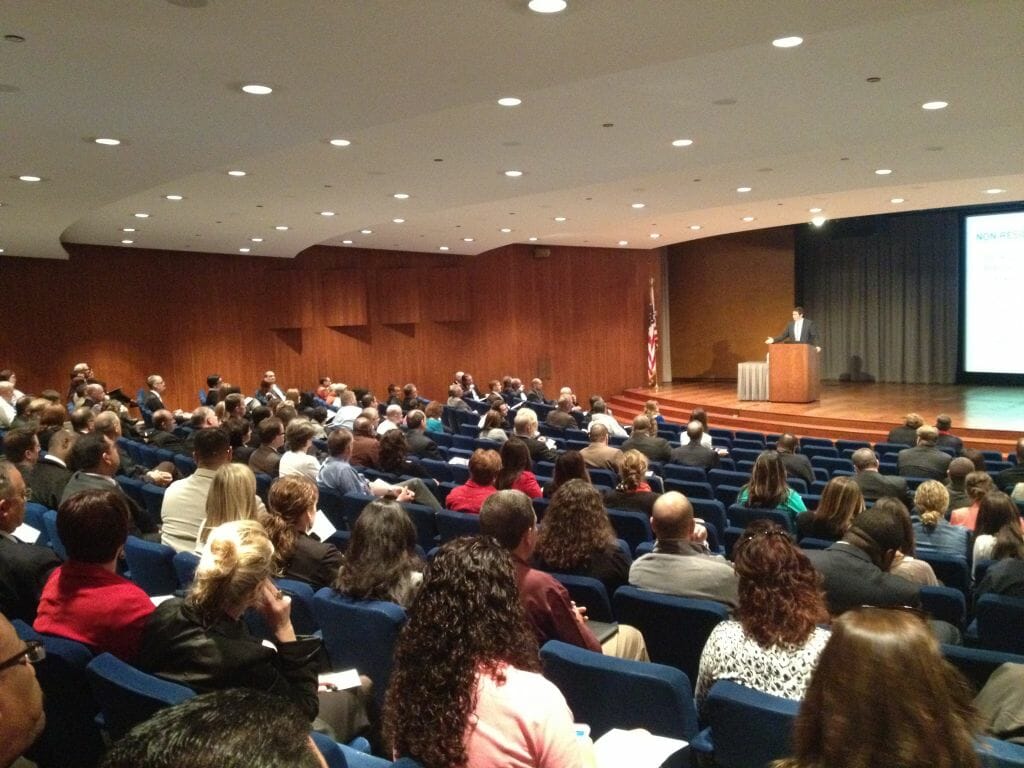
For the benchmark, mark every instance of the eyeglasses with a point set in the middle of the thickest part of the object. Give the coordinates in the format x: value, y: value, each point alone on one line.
x: 33, y: 652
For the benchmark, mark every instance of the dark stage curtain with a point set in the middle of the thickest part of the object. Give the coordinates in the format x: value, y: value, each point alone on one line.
x: 884, y: 291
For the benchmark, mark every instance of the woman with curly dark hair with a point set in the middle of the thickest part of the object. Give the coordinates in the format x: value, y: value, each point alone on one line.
x: 883, y: 695
x: 577, y: 537
x: 568, y: 466
x: 767, y: 488
x: 381, y: 561
x: 466, y: 687
x: 394, y: 455
x: 515, y: 471
x: 774, y: 642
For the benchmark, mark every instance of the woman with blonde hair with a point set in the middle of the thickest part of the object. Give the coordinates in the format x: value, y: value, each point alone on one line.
x: 931, y: 531
x: 840, y: 503
x: 651, y: 412
x: 632, y: 492
x: 297, y: 555
x: 232, y: 496
x: 883, y: 695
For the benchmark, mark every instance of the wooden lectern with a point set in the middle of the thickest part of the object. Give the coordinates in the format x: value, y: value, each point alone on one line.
x: 793, y: 375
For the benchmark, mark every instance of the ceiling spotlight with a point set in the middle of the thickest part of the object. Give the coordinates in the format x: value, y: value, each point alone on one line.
x: 244, y: 250
x: 257, y: 90
x: 281, y: 228
x: 513, y: 174
x: 994, y: 191
x: 532, y: 239
x: 326, y: 213
x: 883, y: 171
x: 654, y: 235
x: 682, y: 142
x: 560, y: 218
x: 547, y: 6
x: 509, y: 101
x: 108, y: 142
x: 896, y: 200
x: 398, y: 221
x: 366, y: 231
x: 30, y: 178
x: 236, y: 173
x: 346, y: 242
x: 623, y: 242
x: 467, y: 239
x: 695, y: 227
x: 141, y: 215
x: 506, y: 230
x: 1, y: 250
x: 787, y: 42
x: 341, y: 142
x: 814, y: 210
x: 256, y: 239
x: 443, y: 248
x: 743, y: 189
x: 935, y: 105
x: 748, y: 218
x: 818, y: 221
x: 128, y: 229
x: 127, y: 242
x: 638, y: 205
x: 175, y: 198
x: 400, y: 196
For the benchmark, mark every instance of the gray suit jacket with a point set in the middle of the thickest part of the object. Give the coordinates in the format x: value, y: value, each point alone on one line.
x: 852, y: 580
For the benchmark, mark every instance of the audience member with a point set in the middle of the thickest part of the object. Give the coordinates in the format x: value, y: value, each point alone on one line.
x: 774, y: 641
x: 108, y: 424
x: 85, y: 599
x: 796, y: 464
x: 392, y: 419
x: 906, y: 434
x: 50, y: 475
x: 995, y: 512
x: 21, y: 448
x: 1005, y: 575
x: 162, y: 435
x: 515, y: 470
x: 1008, y: 478
x: 700, y: 415
x: 82, y: 420
x: 381, y: 561
x: 561, y: 417
x: 420, y: 444
x: 632, y: 492
x: 577, y: 538
x: 470, y: 692
x: 232, y: 496
x: 7, y: 400
x: 535, y: 394
x: 365, y: 447
x: 924, y: 459
x: 598, y: 454
x: 840, y: 503
x: 455, y: 401
x: 652, y: 412
x: 434, y: 410
x: 679, y: 563
x: 484, y: 466
x: 959, y: 469
x: 298, y: 437
x: 904, y: 706
x: 976, y: 485
x: 347, y: 413
x: 932, y: 532
x: 905, y: 564
x: 645, y: 439
x: 21, y: 699
x: 239, y: 433
x: 976, y: 457
x: 525, y: 428
x: 493, y: 427
x: 568, y: 466
x: 297, y: 555
x: 943, y: 423
x: 767, y: 488
x: 693, y: 453
x: 394, y: 456
x: 599, y: 415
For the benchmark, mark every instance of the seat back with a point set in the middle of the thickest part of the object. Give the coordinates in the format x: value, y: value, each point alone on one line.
x: 153, y: 495
x: 978, y: 664
x: 607, y: 693
x: 128, y: 696
x: 631, y: 526
x: 1000, y: 620
x: 692, y: 489
x: 719, y: 477
x: 675, y: 628
x: 50, y: 531
x: 185, y: 564
x: 603, y: 477
x: 151, y: 566
x: 352, y: 505
x: 132, y: 488
x: 303, y: 613
x: 952, y: 570
x: 35, y: 515
x: 422, y: 517
x: 330, y: 503
x: 710, y: 511
x: 70, y: 711
x: 590, y: 593
x: 945, y: 603
x: 684, y: 472
x: 360, y: 634
x: 748, y: 728
x: 740, y: 517
x: 186, y: 465
x: 452, y: 525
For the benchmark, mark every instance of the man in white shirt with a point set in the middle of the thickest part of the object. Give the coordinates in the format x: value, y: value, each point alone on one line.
x: 392, y: 419
x: 599, y: 415
x: 6, y: 404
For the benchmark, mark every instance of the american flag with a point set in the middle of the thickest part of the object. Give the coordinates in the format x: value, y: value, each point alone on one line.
x: 652, y: 340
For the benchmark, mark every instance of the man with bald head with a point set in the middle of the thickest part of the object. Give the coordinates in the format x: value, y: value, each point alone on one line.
x: 679, y: 565
x: 873, y: 484
x: 959, y: 469
x: 694, y: 453
x: 163, y: 435
x: 924, y: 459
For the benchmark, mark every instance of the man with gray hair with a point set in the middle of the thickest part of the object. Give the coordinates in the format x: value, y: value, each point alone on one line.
x: 873, y: 484
x: 599, y: 415
x: 525, y: 426
x: 645, y: 439
x: 392, y: 419
x: 924, y: 459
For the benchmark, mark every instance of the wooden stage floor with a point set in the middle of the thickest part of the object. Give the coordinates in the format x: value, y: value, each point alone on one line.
x: 984, y: 416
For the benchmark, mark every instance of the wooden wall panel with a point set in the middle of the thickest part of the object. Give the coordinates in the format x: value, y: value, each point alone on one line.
x: 576, y: 318
x: 397, y: 296
x: 727, y: 294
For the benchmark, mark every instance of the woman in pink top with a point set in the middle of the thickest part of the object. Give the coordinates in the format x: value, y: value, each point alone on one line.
x: 515, y: 472
x: 976, y: 484
x: 484, y: 466
x: 466, y: 688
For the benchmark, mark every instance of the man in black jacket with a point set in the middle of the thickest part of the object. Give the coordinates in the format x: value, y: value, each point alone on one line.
x: 924, y: 459
x: 796, y: 464
x: 873, y: 484
x: 416, y: 436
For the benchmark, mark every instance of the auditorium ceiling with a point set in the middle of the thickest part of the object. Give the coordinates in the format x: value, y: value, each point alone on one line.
x: 412, y: 86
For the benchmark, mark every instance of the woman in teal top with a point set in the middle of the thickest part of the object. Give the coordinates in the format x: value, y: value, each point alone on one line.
x: 767, y: 488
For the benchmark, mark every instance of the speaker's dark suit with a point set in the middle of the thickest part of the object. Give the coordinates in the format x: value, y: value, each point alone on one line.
x: 24, y: 569
x: 808, y: 334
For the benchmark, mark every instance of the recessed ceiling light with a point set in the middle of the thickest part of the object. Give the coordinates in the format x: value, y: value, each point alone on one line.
x: 532, y: 239
x: 695, y: 227
x: 994, y: 191
x: 127, y: 242
x: 748, y: 218
x: 547, y: 6
x: 30, y: 178
x: 398, y: 221
x: 818, y: 221
x: 400, y: 196
x: 256, y: 239
x: 1, y: 250
x: 513, y: 174
x: 281, y: 228
x: 560, y: 218
x: 638, y: 205
x: 346, y: 242
x: 326, y: 213
x: 509, y: 101
x: 443, y: 248
x: 814, y: 210
x: 173, y: 197
x: 682, y: 142
x: 244, y: 250
x: 141, y: 215
x: 236, y: 173
x: 883, y: 171
x: 506, y: 230
x: 108, y: 142
x: 366, y: 231
x: 654, y: 235
x: 743, y: 189
x: 896, y: 200
x: 467, y: 239
x: 787, y: 42
x: 623, y: 242
x: 127, y: 229
x: 341, y: 142
x: 935, y: 105
x: 257, y: 90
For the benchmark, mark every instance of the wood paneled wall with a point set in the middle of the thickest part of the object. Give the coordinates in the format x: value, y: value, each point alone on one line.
x: 727, y: 294
x: 363, y: 317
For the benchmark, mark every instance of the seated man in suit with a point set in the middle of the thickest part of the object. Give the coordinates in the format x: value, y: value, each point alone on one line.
x: 694, y: 453
x: 21, y: 448
x: 679, y: 565
x: 154, y: 401
x: 907, y: 433
x: 508, y: 516
x: 416, y: 436
x: 959, y: 469
x: 873, y: 484
x: 645, y: 439
x: 525, y: 427
x: 51, y: 474
x: 924, y: 459
x: 561, y: 417
x: 267, y: 458
x: 598, y: 453
x: 796, y: 464
x: 24, y: 567
x: 108, y: 424
x: 1008, y: 478
x: 163, y: 435
x: 798, y: 331
x: 946, y: 439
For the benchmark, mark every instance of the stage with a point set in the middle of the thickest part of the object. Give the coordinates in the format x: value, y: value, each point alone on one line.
x: 985, y: 417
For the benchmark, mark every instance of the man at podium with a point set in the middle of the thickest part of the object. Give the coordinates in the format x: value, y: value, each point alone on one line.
x: 799, y: 331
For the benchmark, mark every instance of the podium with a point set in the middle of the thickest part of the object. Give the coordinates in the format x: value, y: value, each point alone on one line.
x: 793, y: 373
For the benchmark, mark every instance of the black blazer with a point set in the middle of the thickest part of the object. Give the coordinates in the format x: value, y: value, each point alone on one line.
x: 24, y: 569
x: 421, y: 445
x: 693, y: 454
x: 810, y: 334
x: 47, y: 480
x: 313, y: 562
x: 654, y: 448
x: 798, y: 465
x: 875, y: 485
x: 923, y: 461
x: 852, y: 580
